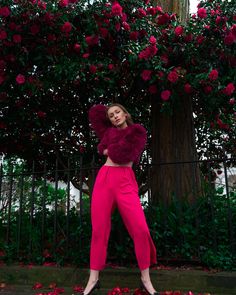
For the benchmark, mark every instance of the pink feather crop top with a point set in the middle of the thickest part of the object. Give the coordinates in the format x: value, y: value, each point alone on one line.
x: 123, y: 145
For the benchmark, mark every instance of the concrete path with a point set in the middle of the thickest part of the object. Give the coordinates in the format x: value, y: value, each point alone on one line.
x: 20, y: 280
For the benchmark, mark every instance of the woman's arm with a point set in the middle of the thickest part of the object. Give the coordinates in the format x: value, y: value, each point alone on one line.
x: 130, y: 147
x: 98, y: 119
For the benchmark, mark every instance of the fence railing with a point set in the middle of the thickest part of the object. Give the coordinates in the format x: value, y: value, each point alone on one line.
x: 45, y: 214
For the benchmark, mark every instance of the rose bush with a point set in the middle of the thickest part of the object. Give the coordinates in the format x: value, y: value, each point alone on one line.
x: 59, y: 57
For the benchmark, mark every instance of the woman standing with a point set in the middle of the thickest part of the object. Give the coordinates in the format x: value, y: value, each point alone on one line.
x: 122, y: 142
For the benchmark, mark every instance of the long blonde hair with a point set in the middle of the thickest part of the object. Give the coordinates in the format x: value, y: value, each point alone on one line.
x: 129, y: 120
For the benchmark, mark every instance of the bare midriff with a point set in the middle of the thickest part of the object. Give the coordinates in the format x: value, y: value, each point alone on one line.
x: 109, y: 162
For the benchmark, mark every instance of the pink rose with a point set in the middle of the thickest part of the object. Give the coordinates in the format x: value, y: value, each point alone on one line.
x: 5, y: 11
x: 213, y: 75
x: 173, y: 76
x: 232, y: 101
x: 66, y: 28
x: 146, y: 75
x: 202, y: 13
x: 116, y: 9
x: 165, y: 95
x: 20, y: 79
x: 179, y: 31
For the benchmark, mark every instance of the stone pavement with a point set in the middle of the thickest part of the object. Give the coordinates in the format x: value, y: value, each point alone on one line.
x: 19, y: 280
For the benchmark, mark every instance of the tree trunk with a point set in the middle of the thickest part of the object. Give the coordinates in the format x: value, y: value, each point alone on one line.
x: 181, y: 7
x: 173, y: 141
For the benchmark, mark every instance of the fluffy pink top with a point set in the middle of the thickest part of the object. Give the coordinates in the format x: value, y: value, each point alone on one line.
x: 123, y: 145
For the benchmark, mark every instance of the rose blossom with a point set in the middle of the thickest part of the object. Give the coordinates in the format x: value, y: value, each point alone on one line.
x: 229, y: 89
x: 126, y: 26
x: 91, y: 40
x: 187, y: 88
x: 232, y: 101
x: 104, y: 32
x: 3, y: 35
x: 165, y: 95
x: 67, y: 27
x: 173, y: 76
x: 152, y: 40
x: 20, y: 79
x: 116, y: 9
x: 179, y: 30
x: 202, y: 13
x: 63, y: 3
x: 134, y: 35
x: 5, y: 11
x: 152, y: 89
x: 141, y: 12
x: 146, y: 75
x: 77, y: 48
x: 229, y: 39
x: 93, y: 69
x: 16, y: 38
x: 213, y: 75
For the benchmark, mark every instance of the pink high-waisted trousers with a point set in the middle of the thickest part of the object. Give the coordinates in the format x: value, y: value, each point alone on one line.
x: 117, y: 187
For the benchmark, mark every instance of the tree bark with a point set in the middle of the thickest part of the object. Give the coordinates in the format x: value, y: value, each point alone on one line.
x: 173, y: 140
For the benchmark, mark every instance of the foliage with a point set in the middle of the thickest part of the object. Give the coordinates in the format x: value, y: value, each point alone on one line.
x: 57, y: 58
x: 200, y: 233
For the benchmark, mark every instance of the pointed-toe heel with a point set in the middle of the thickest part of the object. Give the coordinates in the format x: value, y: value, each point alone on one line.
x: 142, y: 287
x: 96, y: 286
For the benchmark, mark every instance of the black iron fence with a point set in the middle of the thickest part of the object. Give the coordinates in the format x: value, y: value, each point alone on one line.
x: 45, y: 215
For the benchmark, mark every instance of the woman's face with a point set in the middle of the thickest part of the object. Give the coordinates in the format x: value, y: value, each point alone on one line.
x: 117, y: 117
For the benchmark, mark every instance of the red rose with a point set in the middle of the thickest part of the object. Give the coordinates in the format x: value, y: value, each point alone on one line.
x: 20, y: 79
x: 5, y: 11
x: 93, y: 69
x: 151, y: 10
x: 91, y: 40
x: 2, y: 79
x: 42, y: 5
x: 3, y: 35
x: 165, y: 95
x: 63, y: 3
x: 173, y: 76
x: 163, y: 19
x: 146, y: 75
x: 202, y: 13
x: 77, y: 48
x: 187, y: 88
x: 110, y: 67
x: 85, y: 55
x: 152, y: 89
x: 34, y: 29
x: 179, y: 31
x: 229, y: 39
x: 66, y: 28
x: 37, y: 286
x: 117, y: 26
x: 152, y: 40
x: 229, y: 89
x: 41, y: 114
x: 16, y: 38
x: 104, y: 32
x: 141, y: 12
x: 134, y: 35
x: 116, y: 9
x: 213, y: 75
x: 126, y: 26
x: 207, y: 89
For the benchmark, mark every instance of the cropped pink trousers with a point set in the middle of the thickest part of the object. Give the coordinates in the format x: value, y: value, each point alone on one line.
x: 117, y: 187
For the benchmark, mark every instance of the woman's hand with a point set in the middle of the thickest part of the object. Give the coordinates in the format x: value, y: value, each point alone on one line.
x: 105, y: 152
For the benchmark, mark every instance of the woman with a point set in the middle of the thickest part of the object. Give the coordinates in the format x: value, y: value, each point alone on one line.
x: 122, y: 142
